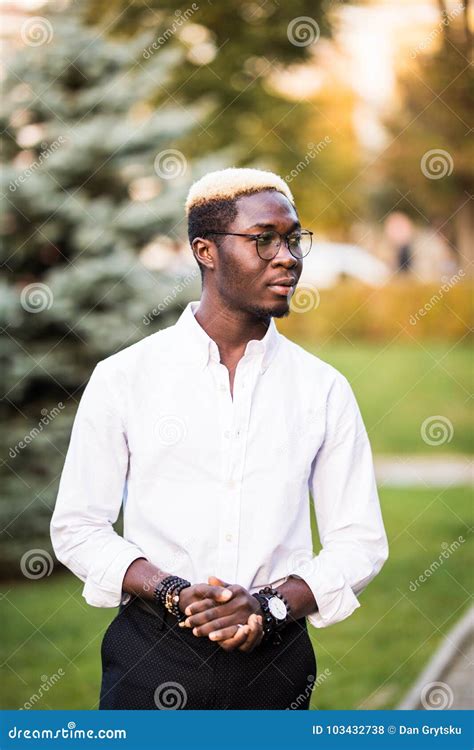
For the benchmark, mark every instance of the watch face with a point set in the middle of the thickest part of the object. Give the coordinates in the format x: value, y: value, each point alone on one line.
x: 277, y: 608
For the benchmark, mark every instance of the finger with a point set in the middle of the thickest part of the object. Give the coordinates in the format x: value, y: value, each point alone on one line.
x: 213, y: 591
x: 224, y: 634
x: 253, y: 626
x: 202, y: 605
x: 219, y: 624
x: 217, y: 581
x: 214, y: 612
x: 255, y: 636
x: 238, y: 639
x: 216, y: 593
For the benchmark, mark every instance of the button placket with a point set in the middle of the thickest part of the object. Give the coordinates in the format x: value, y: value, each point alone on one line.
x: 234, y: 413
x: 231, y: 508
x: 225, y: 412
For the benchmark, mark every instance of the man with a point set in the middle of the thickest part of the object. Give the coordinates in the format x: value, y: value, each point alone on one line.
x: 211, y: 432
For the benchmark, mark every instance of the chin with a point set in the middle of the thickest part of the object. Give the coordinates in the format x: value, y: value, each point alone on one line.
x: 274, y: 310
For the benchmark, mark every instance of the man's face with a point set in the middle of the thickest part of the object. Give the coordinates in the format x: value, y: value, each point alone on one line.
x: 241, y: 276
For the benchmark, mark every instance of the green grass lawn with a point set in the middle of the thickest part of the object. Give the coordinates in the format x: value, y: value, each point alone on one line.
x: 372, y: 658
x: 399, y: 385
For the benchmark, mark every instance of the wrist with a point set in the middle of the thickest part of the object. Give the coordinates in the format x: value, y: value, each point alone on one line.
x: 300, y: 597
x: 255, y: 606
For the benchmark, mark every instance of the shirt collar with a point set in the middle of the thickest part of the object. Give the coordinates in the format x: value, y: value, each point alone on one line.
x: 197, y: 347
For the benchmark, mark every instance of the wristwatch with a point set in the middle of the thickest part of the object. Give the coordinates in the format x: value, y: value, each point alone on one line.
x: 276, y: 611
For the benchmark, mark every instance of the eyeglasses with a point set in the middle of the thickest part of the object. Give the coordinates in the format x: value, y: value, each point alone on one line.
x: 268, y: 243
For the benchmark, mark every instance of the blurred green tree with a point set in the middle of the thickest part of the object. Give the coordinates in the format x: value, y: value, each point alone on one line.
x: 91, y: 176
x: 104, y: 127
x: 427, y: 167
x: 241, y: 55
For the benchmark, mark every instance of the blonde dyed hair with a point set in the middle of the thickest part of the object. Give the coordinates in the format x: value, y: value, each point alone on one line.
x: 227, y: 184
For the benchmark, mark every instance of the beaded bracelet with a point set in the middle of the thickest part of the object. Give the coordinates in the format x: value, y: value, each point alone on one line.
x: 167, y: 594
x: 159, y: 593
x: 172, y: 604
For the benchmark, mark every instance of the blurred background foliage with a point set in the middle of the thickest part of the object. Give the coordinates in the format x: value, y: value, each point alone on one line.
x: 435, y: 107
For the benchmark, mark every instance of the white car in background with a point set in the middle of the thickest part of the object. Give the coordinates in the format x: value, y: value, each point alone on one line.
x: 328, y: 262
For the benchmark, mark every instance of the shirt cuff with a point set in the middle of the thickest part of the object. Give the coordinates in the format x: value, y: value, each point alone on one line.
x: 103, y: 585
x: 334, y: 596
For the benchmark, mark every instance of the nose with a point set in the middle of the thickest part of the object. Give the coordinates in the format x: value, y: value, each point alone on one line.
x: 285, y: 258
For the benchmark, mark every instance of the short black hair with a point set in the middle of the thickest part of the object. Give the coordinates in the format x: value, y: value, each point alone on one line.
x: 214, y: 215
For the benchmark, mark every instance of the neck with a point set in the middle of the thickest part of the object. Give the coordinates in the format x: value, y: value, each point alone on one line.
x: 231, y: 328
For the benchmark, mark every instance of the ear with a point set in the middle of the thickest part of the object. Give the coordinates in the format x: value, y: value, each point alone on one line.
x: 204, y: 251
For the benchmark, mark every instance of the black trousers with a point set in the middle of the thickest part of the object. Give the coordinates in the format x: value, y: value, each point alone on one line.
x: 149, y: 662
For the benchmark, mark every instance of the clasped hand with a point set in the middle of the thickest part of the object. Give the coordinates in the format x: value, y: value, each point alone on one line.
x: 217, y: 609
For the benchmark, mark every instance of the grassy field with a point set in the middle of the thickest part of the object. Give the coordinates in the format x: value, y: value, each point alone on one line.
x: 399, y: 385
x: 368, y: 661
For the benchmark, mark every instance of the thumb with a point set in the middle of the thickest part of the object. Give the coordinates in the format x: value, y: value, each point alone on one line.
x: 214, y: 581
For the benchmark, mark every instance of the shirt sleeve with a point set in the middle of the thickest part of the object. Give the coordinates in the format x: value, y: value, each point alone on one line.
x: 90, y: 496
x: 351, y: 530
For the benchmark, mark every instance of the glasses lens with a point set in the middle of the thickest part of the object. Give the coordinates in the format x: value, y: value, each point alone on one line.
x: 299, y: 244
x: 268, y: 245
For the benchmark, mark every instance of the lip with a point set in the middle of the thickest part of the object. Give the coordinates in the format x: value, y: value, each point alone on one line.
x: 284, y: 289
x: 284, y: 281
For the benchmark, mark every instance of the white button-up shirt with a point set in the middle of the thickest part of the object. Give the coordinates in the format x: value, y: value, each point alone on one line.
x: 218, y: 485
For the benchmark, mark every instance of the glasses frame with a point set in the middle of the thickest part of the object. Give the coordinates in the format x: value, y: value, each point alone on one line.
x: 284, y: 237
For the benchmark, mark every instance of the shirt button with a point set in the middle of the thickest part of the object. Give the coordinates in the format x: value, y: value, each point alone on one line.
x: 231, y: 484
x: 227, y: 434
x: 228, y: 537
